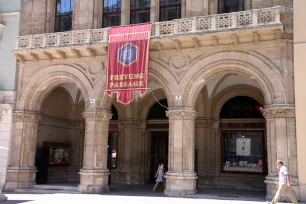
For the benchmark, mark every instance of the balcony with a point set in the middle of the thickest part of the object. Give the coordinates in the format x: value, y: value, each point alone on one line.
x: 200, y: 25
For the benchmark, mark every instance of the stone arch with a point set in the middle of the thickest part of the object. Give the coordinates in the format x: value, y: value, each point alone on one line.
x: 230, y: 92
x: 234, y: 62
x: 70, y: 100
x: 46, y: 80
x: 147, y: 102
x: 157, y: 72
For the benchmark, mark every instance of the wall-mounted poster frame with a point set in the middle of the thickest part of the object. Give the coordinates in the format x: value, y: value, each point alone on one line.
x: 59, y: 153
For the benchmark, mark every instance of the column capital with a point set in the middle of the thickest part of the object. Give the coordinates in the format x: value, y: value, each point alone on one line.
x: 34, y: 117
x: 181, y: 114
x: 279, y: 112
x: 97, y: 115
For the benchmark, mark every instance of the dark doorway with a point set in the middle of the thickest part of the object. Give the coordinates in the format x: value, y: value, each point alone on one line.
x: 159, y: 150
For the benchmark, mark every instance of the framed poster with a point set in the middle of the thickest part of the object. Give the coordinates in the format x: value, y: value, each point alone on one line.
x: 243, y: 146
x: 59, y: 153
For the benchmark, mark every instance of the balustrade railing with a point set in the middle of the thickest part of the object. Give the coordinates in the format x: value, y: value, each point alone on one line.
x: 251, y: 18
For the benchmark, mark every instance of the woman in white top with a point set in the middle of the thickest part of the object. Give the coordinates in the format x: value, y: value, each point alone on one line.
x: 159, y: 174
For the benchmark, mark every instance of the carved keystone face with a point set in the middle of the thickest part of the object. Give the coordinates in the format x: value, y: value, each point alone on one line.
x: 127, y: 54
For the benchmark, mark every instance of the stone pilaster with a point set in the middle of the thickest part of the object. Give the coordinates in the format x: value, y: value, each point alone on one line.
x: 281, y: 144
x: 207, y: 143
x: 154, y: 11
x: 131, y: 153
x: 125, y: 12
x: 181, y: 177
x: 21, y: 170
x: 94, y: 174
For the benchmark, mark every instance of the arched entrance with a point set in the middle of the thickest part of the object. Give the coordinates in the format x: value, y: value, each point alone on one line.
x: 60, y: 136
x: 158, y: 136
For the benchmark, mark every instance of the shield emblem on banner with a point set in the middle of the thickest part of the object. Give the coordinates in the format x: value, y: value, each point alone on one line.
x: 127, y: 54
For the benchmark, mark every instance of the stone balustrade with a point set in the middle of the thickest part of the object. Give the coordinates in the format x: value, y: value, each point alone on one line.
x: 199, y: 24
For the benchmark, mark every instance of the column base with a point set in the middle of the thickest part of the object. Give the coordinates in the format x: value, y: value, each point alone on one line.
x: 272, y: 186
x: 19, y: 177
x: 180, y: 184
x: 94, y: 181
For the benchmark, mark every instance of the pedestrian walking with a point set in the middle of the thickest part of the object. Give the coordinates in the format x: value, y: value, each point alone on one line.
x: 159, y: 174
x: 284, y: 185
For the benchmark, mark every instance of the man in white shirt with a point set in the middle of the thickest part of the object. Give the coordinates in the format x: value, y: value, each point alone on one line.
x: 284, y: 184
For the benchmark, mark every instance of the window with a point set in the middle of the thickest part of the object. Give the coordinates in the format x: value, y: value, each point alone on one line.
x: 111, y: 13
x: 228, y: 6
x: 140, y: 11
x: 243, y: 151
x: 64, y: 10
x: 169, y: 10
x: 242, y: 136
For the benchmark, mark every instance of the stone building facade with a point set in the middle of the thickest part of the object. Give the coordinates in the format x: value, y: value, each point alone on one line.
x: 211, y: 63
x: 9, y: 30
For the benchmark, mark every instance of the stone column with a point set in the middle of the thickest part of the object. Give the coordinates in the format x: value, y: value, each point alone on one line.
x: 181, y: 178
x: 94, y: 174
x: 21, y: 171
x: 281, y: 144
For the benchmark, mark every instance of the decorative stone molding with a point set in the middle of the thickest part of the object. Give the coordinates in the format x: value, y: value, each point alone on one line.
x: 181, y: 114
x: 101, y: 115
x: 279, y: 112
x: 26, y: 117
x: 199, y: 24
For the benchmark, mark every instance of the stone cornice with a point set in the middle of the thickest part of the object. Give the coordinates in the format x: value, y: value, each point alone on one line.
x: 100, y: 115
x: 26, y: 117
x: 279, y: 112
x: 181, y: 114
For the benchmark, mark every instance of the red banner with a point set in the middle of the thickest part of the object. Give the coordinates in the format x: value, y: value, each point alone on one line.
x: 128, y: 58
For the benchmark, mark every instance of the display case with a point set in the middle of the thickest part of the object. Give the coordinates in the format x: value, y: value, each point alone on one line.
x: 59, y: 153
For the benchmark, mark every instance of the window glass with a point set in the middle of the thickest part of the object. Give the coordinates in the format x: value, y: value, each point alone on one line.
x: 243, y: 151
x: 112, y: 13
x: 228, y: 6
x: 140, y: 11
x: 64, y: 11
x: 170, y: 9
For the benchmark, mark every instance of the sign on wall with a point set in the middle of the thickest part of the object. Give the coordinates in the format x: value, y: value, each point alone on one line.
x: 243, y: 147
x: 128, y: 61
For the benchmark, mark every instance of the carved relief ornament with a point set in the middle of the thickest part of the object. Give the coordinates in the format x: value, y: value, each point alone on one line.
x: 181, y: 115
x: 279, y: 113
x: 97, y: 116
x: 26, y: 117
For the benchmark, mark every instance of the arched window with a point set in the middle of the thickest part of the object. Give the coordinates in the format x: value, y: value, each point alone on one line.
x: 169, y: 10
x: 157, y: 111
x: 111, y: 13
x: 240, y: 107
x: 63, y: 19
x: 140, y: 11
x: 228, y: 6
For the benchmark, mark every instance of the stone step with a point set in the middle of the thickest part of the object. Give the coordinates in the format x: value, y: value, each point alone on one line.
x: 50, y: 188
x: 44, y: 191
x: 56, y: 187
